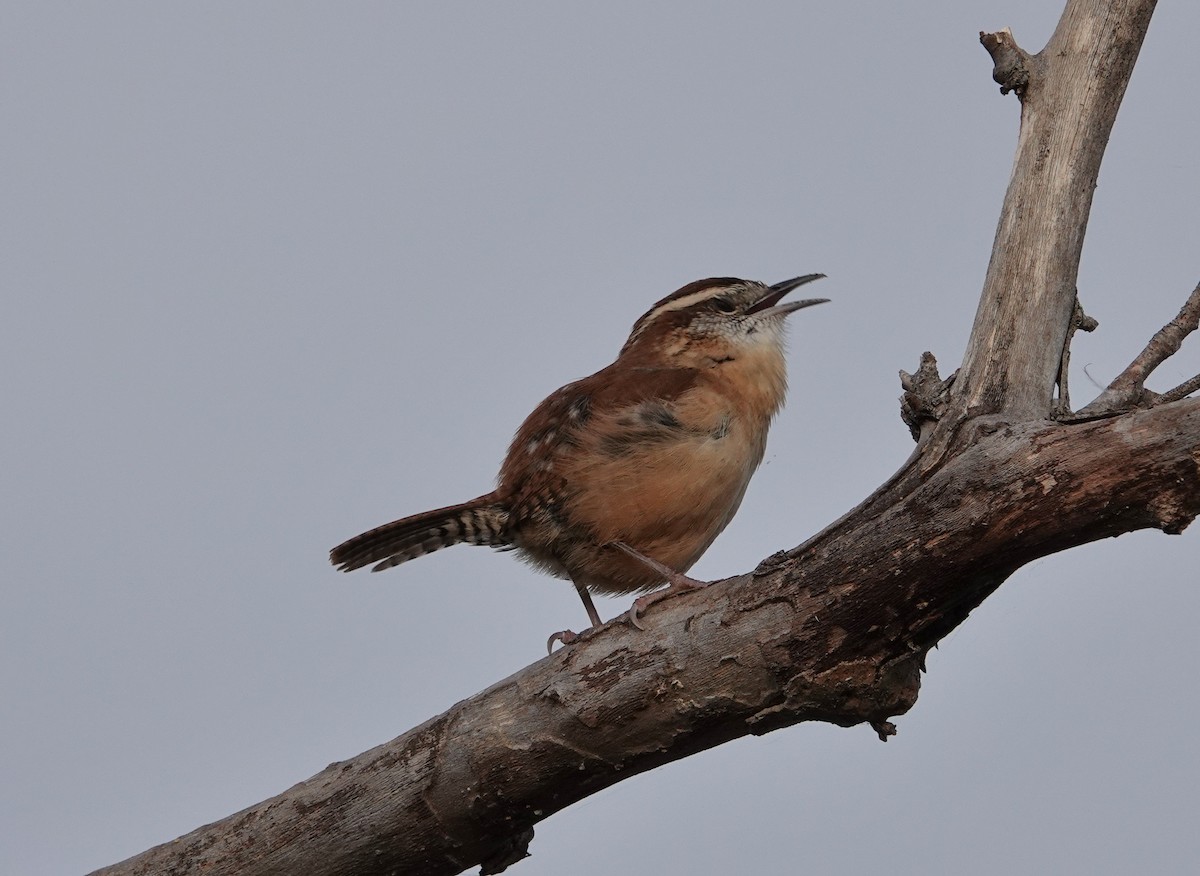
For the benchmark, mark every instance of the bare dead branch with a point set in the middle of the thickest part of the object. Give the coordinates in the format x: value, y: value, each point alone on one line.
x: 1128, y: 390
x: 1069, y: 102
x: 833, y: 631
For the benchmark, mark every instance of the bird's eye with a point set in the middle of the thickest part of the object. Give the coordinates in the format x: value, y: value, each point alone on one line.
x: 724, y: 305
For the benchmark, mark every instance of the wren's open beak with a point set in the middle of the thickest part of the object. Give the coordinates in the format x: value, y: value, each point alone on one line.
x: 769, y: 304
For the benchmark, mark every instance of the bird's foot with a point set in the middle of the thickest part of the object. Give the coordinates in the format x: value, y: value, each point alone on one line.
x: 567, y: 637
x: 563, y: 637
x: 679, y: 584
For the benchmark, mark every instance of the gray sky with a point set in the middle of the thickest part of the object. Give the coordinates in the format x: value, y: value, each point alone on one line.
x: 276, y: 273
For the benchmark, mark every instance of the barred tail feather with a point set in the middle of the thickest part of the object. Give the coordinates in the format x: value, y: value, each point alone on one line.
x: 480, y: 521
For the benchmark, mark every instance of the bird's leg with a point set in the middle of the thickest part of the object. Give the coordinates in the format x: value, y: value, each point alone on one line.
x: 566, y: 637
x: 677, y: 583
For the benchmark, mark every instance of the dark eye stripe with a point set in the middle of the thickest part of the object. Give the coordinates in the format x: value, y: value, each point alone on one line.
x: 693, y: 293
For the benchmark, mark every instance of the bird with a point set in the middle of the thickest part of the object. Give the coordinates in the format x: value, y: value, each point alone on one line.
x: 620, y: 481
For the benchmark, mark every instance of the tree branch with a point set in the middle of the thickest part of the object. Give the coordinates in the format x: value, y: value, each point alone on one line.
x: 834, y: 630
x: 1069, y: 100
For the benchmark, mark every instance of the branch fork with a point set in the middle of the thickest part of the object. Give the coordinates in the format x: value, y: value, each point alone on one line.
x: 1128, y: 391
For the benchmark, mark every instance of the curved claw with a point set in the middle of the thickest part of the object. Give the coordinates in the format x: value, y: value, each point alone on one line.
x: 632, y: 614
x: 565, y: 637
x: 679, y: 584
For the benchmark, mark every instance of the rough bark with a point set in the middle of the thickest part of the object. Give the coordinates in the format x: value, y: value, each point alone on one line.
x: 836, y: 629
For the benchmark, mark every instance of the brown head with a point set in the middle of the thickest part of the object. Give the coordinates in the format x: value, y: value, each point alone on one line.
x: 710, y: 321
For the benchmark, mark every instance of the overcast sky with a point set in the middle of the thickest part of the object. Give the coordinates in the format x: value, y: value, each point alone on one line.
x: 274, y: 273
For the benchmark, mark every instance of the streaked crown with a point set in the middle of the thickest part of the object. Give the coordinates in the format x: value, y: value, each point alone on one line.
x: 720, y: 306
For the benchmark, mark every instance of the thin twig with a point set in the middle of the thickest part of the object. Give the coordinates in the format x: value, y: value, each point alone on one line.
x: 1182, y: 391
x: 1162, y: 346
x: 1079, y: 321
x: 1128, y: 389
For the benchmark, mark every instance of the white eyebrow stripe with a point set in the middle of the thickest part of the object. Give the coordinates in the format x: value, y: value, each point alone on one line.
x: 689, y: 300
x: 677, y: 304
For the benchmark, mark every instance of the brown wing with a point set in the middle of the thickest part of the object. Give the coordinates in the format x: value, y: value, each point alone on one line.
x: 642, y: 395
x: 532, y: 479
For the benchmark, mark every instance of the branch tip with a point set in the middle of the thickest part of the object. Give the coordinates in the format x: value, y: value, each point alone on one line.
x: 1010, y: 62
x: 1180, y: 392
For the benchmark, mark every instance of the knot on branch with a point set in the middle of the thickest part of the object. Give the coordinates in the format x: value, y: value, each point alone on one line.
x: 1010, y: 63
x: 854, y: 691
x: 925, y: 395
x: 885, y: 729
x: 509, y: 852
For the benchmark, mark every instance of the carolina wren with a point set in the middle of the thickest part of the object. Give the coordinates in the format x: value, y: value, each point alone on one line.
x: 620, y: 481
